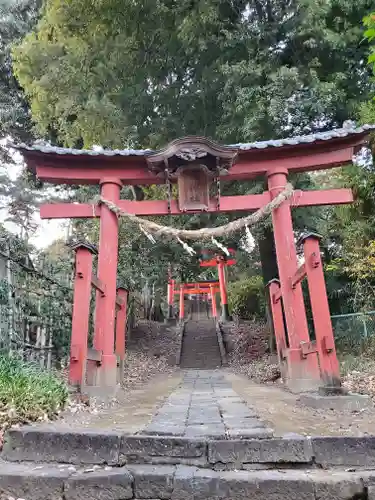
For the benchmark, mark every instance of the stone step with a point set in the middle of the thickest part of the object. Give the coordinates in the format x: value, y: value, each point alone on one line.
x: 200, y: 347
x: 37, y: 444
x: 138, y: 481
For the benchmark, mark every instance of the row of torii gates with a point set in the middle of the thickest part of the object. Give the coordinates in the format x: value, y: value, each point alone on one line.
x: 199, y: 167
x: 205, y: 289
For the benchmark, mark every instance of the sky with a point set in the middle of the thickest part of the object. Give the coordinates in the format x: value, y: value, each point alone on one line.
x: 48, y: 230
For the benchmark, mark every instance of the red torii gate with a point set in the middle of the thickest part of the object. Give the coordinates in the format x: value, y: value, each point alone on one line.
x: 193, y: 163
x: 218, y: 260
x: 197, y: 288
x: 221, y: 261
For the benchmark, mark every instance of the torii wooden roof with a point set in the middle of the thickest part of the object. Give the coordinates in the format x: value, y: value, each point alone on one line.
x: 302, y: 153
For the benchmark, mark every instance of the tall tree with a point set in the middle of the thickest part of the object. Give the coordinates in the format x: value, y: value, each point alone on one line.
x: 17, y: 17
x: 127, y: 72
x: 140, y: 73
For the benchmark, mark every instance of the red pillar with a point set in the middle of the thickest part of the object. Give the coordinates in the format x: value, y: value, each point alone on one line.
x: 325, y: 342
x: 213, y: 301
x: 303, y: 373
x: 223, y: 290
x: 107, y: 272
x: 278, y: 324
x: 170, y: 297
x: 81, y: 313
x: 122, y: 294
x: 182, y: 303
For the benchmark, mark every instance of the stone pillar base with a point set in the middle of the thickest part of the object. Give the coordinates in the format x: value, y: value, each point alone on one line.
x: 342, y: 403
x: 107, y: 371
x: 225, y: 316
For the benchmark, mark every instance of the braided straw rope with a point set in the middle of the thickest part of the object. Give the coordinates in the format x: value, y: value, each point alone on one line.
x: 204, y: 233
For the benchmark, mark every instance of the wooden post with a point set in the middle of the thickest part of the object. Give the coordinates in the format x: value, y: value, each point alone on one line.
x: 105, y: 311
x: 223, y: 290
x: 213, y: 301
x: 122, y: 295
x: 81, y: 312
x: 170, y: 297
x: 303, y: 372
x: 325, y: 342
x: 182, y: 303
x: 278, y: 324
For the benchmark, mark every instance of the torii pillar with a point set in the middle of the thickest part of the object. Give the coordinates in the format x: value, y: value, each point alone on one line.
x: 223, y: 290
x: 303, y: 373
x: 105, y: 312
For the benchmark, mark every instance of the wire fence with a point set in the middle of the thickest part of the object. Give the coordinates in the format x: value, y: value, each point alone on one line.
x: 353, y: 331
x: 35, y: 310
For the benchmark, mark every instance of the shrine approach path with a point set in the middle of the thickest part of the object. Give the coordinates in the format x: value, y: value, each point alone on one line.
x: 216, y: 403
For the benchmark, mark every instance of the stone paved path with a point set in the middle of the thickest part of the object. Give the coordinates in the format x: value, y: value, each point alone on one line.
x: 206, y: 405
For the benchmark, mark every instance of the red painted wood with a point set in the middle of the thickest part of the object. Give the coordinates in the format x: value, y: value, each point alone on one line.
x: 302, y: 372
x: 222, y: 284
x: 107, y: 273
x: 196, y: 291
x: 322, y: 197
x: 80, y: 318
x: 213, y: 263
x: 278, y: 325
x: 131, y: 170
x: 121, y: 323
x: 201, y: 284
x: 213, y: 301
x: 325, y: 342
x: 227, y: 204
x: 170, y: 292
x: 299, y: 275
x: 182, y: 303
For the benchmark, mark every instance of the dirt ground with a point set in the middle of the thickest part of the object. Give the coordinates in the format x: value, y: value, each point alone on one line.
x: 283, y: 412
x: 281, y: 409
x: 129, y: 411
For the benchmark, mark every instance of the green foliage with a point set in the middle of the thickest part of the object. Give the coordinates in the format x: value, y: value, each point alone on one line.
x: 369, y: 22
x: 17, y: 18
x: 27, y: 393
x: 135, y: 72
x: 246, y: 298
x: 141, y: 73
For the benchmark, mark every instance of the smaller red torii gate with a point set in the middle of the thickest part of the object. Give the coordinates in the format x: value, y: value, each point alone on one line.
x: 221, y: 262
x: 208, y: 288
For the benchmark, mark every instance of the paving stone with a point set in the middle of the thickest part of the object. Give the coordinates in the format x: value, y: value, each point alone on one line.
x: 334, y: 485
x: 242, y: 423
x: 205, y: 418
x: 254, y: 433
x: 115, y: 484
x: 241, y: 485
x: 345, y: 451
x: 20, y: 481
x: 198, y: 411
x: 214, y: 431
x: 153, y: 481
x: 74, y: 447
x: 261, y: 451
x: 138, y: 448
x: 164, y: 430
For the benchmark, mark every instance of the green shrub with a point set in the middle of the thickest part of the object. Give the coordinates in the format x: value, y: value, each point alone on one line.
x: 28, y: 393
x: 246, y: 298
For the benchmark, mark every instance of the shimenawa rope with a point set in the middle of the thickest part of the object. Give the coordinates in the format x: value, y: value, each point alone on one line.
x: 204, y: 233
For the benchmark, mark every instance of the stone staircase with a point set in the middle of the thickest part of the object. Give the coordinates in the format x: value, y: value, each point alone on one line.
x: 204, y: 443
x: 46, y: 464
x: 200, y: 347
